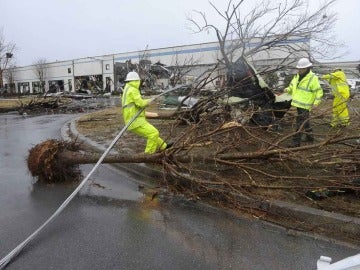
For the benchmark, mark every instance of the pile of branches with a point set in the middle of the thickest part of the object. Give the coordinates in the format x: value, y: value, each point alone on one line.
x: 239, y: 163
x: 39, y: 105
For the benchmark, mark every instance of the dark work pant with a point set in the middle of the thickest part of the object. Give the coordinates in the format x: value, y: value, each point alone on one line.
x: 302, y: 124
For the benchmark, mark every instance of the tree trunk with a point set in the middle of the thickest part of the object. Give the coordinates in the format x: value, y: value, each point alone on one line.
x: 71, y: 157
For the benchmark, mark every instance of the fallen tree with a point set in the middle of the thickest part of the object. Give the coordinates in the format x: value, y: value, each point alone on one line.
x: 238, y: 166
x: 250, y: 152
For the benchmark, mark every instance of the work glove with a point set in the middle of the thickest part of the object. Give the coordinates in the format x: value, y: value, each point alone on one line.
x: 151, y: 101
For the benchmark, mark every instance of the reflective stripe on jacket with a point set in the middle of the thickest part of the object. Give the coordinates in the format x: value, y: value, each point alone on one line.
x: 307, y: 92
x: 339, y: 83
x: 131, y: 103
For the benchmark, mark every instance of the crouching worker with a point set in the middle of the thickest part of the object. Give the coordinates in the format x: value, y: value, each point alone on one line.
x: 132, y: 102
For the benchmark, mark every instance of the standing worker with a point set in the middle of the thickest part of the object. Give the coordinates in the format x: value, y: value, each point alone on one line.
x: 132, y: 102
x: 306, y: 92
x: 341, y: 91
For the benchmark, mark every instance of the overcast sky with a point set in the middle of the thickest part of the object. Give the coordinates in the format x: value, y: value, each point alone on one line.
x: 67, y: 29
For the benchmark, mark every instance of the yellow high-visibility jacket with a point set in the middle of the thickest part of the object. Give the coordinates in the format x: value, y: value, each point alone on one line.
x: 338, y: 81
x: 132, y: 102
x: 305, y: 93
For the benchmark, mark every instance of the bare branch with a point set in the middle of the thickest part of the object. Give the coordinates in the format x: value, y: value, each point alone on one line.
x: 41, y: 72
x: 6, y: 54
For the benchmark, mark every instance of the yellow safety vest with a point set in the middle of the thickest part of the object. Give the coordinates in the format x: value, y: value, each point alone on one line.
x: 131, y: 103
x: 307, y: 92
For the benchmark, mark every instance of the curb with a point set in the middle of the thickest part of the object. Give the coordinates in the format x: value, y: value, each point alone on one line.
x: 336, y: 225
x: 340, y: 226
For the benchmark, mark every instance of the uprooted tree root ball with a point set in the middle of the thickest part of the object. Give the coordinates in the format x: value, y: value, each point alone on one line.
x: 44, y: 164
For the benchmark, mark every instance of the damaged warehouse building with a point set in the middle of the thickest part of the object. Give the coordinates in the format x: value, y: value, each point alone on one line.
x: 159, y: 68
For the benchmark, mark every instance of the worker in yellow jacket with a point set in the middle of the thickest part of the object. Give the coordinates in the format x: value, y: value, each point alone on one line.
x: 341, y: 92
x: 131, y: 103
x: 306, y: 92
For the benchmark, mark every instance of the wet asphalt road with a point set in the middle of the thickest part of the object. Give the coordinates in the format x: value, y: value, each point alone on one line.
x: 111, y: 225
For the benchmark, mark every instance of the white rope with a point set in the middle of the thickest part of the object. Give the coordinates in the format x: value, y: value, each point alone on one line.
x: 19, y: 248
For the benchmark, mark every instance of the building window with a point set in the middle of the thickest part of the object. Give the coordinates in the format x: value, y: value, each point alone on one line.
x: 69, y: 70
x: 24, y: 87
x: 107, y: 66
x: 70, y: 84
x: 36, y: 86
x: 108, y: 84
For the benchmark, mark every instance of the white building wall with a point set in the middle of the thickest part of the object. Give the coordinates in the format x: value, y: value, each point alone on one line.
x: 86, y: 67
x: 206, y: 53
x: 24, y: 74
x: 52, y: 71
x: 59, y: 71
x: 108, y: 71
x: 195, y: 54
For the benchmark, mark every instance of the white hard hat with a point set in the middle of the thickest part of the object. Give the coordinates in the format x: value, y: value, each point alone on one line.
x: 132, y: 76
x: 303, y: 63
